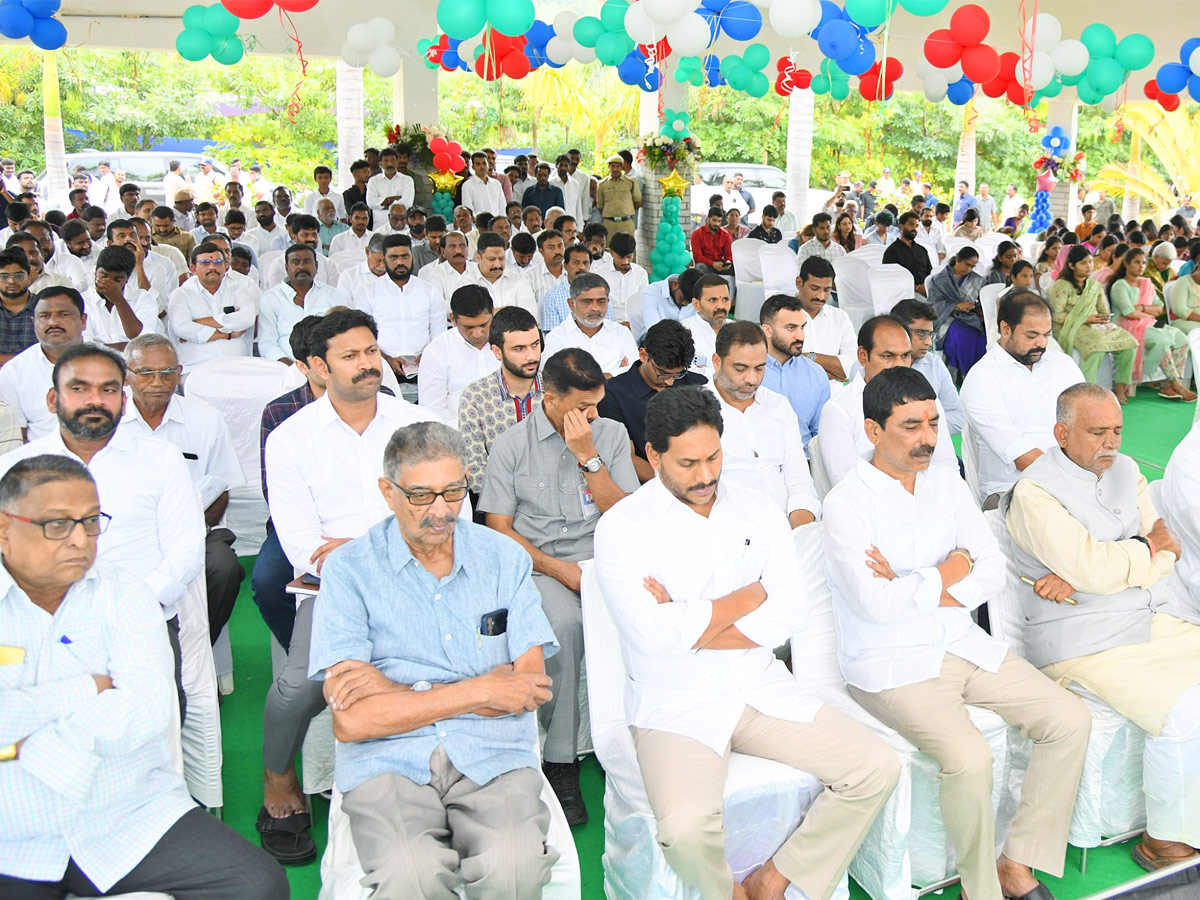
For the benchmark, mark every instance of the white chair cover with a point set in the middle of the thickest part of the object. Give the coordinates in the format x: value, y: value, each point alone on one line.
x: 1110, y: 800
x: 1029, y: 244
x: 852, y: 278
x: 989, y: 298
x: 890, y: 283
x: 816, y: 465
x: 779, y: 269
x: 347, y: 259
x: 266, y: 259
x: 970, y: 458
x: 764, y: 800
x: 201, y: 738
x: 871, y: 254
x: 746, y: 261
x: 907, y: 845
x: 240, y: 387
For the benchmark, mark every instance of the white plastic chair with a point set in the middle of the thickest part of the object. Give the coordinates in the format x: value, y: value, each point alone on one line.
x: 989, y: 298
x: 764, y: 800
x: 746, y: 262
x: 871, y: 254
x: 747, y: 270
x: 201, y: 737
x: 853, y: 282
x: 970, y: 458
x: 1110, y: 802
x: 890, y: 283
x: 779, y: 269
x: 954, y: 244
x: 347, y: 259
x: 907, y: 846
x: 816, y: 465
x: 266, y: 259
x: 1029, y: 244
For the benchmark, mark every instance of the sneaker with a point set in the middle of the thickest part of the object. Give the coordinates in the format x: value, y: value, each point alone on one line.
x: 564, y: 779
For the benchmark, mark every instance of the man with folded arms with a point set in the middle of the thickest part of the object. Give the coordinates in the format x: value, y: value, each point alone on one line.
x: 1104, y: 615
x: 909, y: 556
x: 437, y: 757
x: 92, y: 802
x: 700, y: 600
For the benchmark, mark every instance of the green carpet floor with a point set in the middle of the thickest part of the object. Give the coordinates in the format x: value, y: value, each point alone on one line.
x: 1153, y: 427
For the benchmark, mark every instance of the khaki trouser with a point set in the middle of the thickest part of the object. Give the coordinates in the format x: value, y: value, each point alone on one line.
x: 613, y: 226
x: 933, y: 715
x: 685, y: 782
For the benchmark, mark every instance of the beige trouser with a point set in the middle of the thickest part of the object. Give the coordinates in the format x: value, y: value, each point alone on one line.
x: 933, y: 715
x: 685, y: 782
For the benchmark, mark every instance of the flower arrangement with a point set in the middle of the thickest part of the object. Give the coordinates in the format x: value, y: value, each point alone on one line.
x: 417, y: 138
x: 659, y: 151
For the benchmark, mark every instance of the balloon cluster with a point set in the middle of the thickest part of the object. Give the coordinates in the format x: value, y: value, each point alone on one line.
x: 1110, y: 62
x: 745, y: 72
x: 670, y: 255
x: 253, y: 9
x: 447, y: 159
x: 443, y: 53
x: 606, y: 34
x: 843, y: 40
x: 1010, y: 81
x: 1174, y: 77
x: 210, y: 31
x: 676, y: 125
x: 1056, y: 142
x: 537, y: 38
x: 878, y: 82
x: 33, y: 19
x: 831, y: 80
x: 370, y: 44
x: 962, y: 44
x: 502, y: 54
x: 563, y: 47
x: 1041, y: 217
x: 789, y: 77
x: 945, y: 84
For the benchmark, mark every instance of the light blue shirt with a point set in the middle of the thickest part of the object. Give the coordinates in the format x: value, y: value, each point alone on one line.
x: 931, y: 366
x: 94, y: 780
x: 379, y: 605
x: 872, y: 236
x: 964, y: 202
x: 806, y: 387
x: 658, y: 304
x: 555, y: 310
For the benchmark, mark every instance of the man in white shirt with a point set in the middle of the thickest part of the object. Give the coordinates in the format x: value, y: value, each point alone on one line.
x: 269, y: 235
x: 1013, y: 202
x: 931, y: 234
x: 908, y: 556
x: 1010, y: 404
x: 731, y: 197
x: 610, y: 343
x: 626, y: 280
x: 59, y: 322
x: 323, y: 466
x: 297, y: 296
x: 54, y: 262
x: 918, y: 316
x: 323, y: 176
x: 456, y: 357
x: 451, y: 271
x: 481, y: 192
x: 308, y: 231
x: 389, y: 186
x: 407, y: 310
x: 396, y: 221
x: 151, y: 272
x: 821, y: 244
x: 571, y: 188
x: 112, y: 318
x: 39, y: 278
x: 700, y: 600
x: 761, y: 446
x: 829, y: 338
x: 200, y: 433
x: 212, y: 315
x: 157, y: 529
x: 667, y: 299
x: 357, y: 238
x: 507, y: 287
x: 710, y: 298
x: 883, y: 343
x: 547, y: 270
x: 354, y: 283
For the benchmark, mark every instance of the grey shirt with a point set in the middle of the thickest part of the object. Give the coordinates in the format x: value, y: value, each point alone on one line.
x: 533, y: 477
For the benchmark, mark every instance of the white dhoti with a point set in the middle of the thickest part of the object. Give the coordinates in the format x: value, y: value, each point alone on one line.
x: 1171, y: 774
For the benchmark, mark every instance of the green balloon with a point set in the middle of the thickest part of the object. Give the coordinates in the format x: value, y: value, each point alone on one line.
x: 610, y: 48
x: 1072, y: 80
x: 1100, y: 40
x: 1087, y: 94
x: 461, y: 19
x: 220, y: 22
x: 1135, y: 52
x: 612, y: 14
x: 868, y: 13
x: 193, y: 17
x: 839, y: 90
x: 728, y: 64
x: 759, y: 85
x: 756, y: 56
x: 924, y: 7
x: 424, y: 45
x: 1053, y: 89
x: 697, y: 78
x: 820, y: 84
x: 228, y: 51
x: 1105, y: 75
x: 193, y: 44
x: 586, y: 32
x: 511, y: 17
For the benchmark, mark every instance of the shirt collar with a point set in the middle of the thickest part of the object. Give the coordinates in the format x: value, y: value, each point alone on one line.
x: 8, y: 584
x: 400, y: 554
x: 173, y: 412
x: 541, y: 426
x: 505, y: 394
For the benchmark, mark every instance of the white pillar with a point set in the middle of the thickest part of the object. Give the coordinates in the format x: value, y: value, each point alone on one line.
x: 349, y: 96
x: 964, y: 168
x: 1064, y: 201
x: 799, y: 151
x: 415, y: 94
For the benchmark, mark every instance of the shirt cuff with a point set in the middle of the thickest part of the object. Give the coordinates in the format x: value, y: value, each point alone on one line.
x: 928, y: 596
x: 1017, y: 449
x: 205, y: 333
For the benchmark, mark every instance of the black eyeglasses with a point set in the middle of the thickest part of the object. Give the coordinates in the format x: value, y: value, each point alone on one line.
x: 667, y: 376
x: 61, y: 529
x: 452, y: 494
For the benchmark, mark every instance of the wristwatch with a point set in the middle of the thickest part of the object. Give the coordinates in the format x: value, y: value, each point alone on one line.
x: 593, y: 465
x: 812, y: 356
x: 422, y: 686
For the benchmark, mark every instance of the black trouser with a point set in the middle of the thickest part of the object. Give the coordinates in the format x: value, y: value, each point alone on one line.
x: 177, y: 652
x: 199, y: 858
x: 224, y: 575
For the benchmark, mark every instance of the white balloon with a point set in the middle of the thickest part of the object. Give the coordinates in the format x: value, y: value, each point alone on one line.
x: 924, y: 67
x: 794, y: 18
x: 559, y: 50
x: 1194, y: 61
x: 383, y: 29
x: 385, y: 62
x: 564, y: 24
x: 665, y: 12
x: 935, y: 93
x: 1109, y: 103
x: 690, y: 36
x: 953, y: 73
x: 1041, y: 70
x: 1070, y: 57
x: 679, y: 124
x: 639, y: 26
x: 353, y: 57
x: 1048, y: 32
x: 584, y: 54
x: 362, y: 38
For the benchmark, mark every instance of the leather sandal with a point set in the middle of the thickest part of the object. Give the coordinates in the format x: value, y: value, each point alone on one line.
x: 1151, y: 861
x: 1041, y: 892
x: 287, y: 839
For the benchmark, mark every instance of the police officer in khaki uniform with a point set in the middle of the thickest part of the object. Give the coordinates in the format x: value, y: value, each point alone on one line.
x: 617, y: 198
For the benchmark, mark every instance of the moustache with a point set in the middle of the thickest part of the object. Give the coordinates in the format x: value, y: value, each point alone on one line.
x: 365, y: 374
x: 924, y: 451
x: 703, y: 487
x: 93, y: 411
x: 435, y: 521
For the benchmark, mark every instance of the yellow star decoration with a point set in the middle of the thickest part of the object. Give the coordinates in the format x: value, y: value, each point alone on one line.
x: 445, y: 181
x: 673, y: 185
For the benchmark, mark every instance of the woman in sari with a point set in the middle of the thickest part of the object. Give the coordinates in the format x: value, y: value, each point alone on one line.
x: 1133, y: 298
x: 844, y: 233
x: 954, y: 293
x: 1019, y: 224
x: 1045, y: 263
x: 733, y: 224
x: 1007, y: 253
x: 1082, y: 322
x: 970, y: 227
x: 1103, y: 257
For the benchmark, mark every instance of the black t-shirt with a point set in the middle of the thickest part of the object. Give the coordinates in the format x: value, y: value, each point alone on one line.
x: 913, y: 257
x: 625, y: 399
x: 774, y: 236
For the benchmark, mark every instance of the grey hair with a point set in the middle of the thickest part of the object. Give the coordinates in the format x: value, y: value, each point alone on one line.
x: 375, y: 244
x: 585, y: 281
x: 1165, y: 250
x: 1068, y: 400
x: 422, y: 442
x: 145, y: 341
x: 29, y: 473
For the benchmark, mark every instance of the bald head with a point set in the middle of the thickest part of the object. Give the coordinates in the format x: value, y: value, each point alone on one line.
x: 1089, y: 426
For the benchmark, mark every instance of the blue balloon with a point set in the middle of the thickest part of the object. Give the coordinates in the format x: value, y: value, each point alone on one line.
x: 41, y: 9
x: 48, y: 34
x: 1189, y: 47
x: 714, y: 5
x: 830, y: 12
x: 451, y: 59
x: 632, y: 69
x: 539, y: 33
x: 712, y: 70
x: 741, y: 20
x: 1173, y: 78
x: 1194, y: 87
x: 651, y: 80
x: 858, y: 62
x: 838, y: 39
x: 15, y: 21
x: 961, y: 92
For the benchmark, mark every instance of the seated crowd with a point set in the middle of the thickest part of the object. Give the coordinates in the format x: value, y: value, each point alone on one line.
x: 571, y: 416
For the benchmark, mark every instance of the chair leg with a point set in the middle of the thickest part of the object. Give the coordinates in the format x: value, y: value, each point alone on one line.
x: 1083, y: 860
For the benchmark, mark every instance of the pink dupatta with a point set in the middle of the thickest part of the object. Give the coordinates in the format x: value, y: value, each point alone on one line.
x: 1138, y: 327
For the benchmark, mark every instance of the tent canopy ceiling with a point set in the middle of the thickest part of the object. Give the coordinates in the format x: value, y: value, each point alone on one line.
x: 154, y: 25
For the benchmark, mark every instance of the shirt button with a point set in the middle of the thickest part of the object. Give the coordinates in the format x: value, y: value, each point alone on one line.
x: 447, y: 637
x: 1117, y: 511
x: 441, y: 734
x: 541, y: 484
x: 564, y: 530
x: 437, y: 596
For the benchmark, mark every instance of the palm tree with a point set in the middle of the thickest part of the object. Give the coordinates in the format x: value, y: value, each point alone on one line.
x: 591, y: 99
x: 56, y: 151
x: 799, y: 150
x: 1172, y: 137
x: 964, y: 170
x: 349, y: 120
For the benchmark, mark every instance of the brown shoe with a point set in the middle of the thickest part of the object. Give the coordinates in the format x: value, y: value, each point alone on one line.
x: 1152, y: 860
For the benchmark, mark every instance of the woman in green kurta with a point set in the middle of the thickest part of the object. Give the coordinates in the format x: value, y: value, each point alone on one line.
x: 1184, y: 296
x: 1082, y: 322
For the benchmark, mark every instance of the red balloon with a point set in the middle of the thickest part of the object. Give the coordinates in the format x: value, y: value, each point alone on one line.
x: 1008, y: 66
x: 487, y: 67
x: 802, y: 79
x: 980, y: 63
x: 439, y: 145
x: 941, y: 49
x: 660, y: 50
x: 296, y: 5
x: 442, y: 160
x: 516, y: 64
x: 248, y: 9
x: 454, y: 148
x: 869, y: 86
x: 997, y: 87
x: 1019, y: 94
x: 892, y: 69
x: 970, y: 25
x: 785, y: 64
x: 1169, y: 102
x: 1151, y: 90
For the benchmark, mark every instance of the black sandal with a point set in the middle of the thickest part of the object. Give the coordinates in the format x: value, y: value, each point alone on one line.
x: 1041, y: 892
x: 287, y: 839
